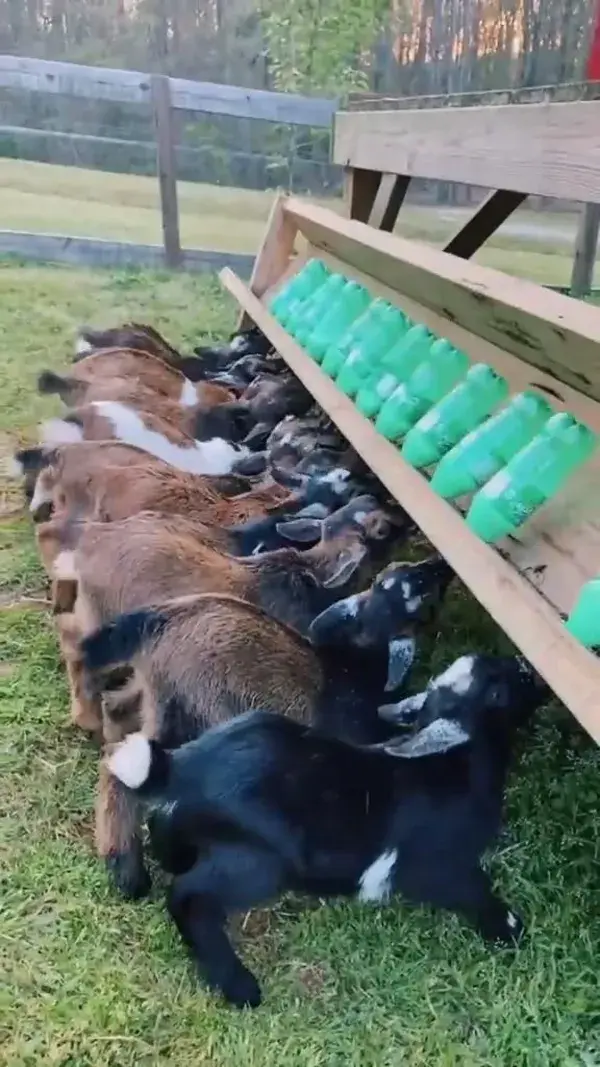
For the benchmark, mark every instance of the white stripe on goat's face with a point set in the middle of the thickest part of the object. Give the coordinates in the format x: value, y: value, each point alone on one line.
x: 131, y: 761
x: 82, y: 347
x: 216, y: 456
x: 59, y: 432
x: 188, y: 398
x: 41, y: 495
x: 336, y: 478
x: 457, y: 677
x: 375, y: 883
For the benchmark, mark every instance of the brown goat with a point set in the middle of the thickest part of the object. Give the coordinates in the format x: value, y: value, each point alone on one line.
x: 137, y: 336
x: 108, y: 374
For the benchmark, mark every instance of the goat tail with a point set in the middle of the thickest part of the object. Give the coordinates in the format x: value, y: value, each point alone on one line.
x: 120, y: 640
x: 140, y: 763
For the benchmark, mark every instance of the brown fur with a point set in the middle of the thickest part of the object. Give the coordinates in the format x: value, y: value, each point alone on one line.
x: 138, y: 336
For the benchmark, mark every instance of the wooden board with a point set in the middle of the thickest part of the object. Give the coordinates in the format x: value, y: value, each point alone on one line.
x: 131, y: 86
x: 552, y: 332
x: 534, y: 626
x: 545, y: 149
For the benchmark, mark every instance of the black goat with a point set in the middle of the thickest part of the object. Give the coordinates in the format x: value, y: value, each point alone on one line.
x: 263, y: 804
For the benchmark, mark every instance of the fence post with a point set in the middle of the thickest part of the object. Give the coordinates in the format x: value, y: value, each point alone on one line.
x: 585, y: 250
x: 166, y: 166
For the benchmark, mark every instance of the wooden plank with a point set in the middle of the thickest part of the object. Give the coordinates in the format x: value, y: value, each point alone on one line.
x: 274, y: 254
x: 571, y: 670
x: 586, y: 246
x: 544, y: 149
x: 166, y: 165
x: 360, y: 190
x: 552, y: 332
x: 533, y: 94
x: 92, y: 252
x: 490, y: 215
x: 390, y: 197
x: 104, y: 83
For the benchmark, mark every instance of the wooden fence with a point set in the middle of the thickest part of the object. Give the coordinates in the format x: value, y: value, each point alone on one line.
x: 163, y: 96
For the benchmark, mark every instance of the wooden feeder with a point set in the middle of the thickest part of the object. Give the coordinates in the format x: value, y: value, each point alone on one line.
x: 535, y: 338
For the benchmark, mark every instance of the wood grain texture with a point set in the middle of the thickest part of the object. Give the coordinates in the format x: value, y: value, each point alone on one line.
x: 531, y: 622
x: 545, y: 149
x: 273, y: 256
x: 552, y: 332
x: 129, y: 86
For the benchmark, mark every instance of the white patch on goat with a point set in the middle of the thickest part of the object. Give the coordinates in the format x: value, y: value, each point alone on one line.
x: 216, y: 456
x: 64, y: 566
x: 40, y: 496
x: 457, y: 677
x: 512, y: 920
x: 350, y: 606
x: 360, y: 516
x: 375, y: 882
x: 189, y: 397
x: 82, y: 347
x: 59, y: 432
x: 336, y: 478
x: 131, y: 761
x: 440, y: 736
x: 257, y: 551
x: 387, y: 583
x: 285, y: 440
x: 237, y: 344
x: 413, y: 604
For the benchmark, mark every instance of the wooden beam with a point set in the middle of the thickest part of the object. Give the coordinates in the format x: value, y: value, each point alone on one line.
x: 545, y: 329
x: 586, y: 245
x: 360, y: 190
x: 133, y: 87
x: 490, y: 215
x: 94, y: 252
x: 544, y: 149
x: 166, y: 164
x: 274, y: 254
x: 390, y: 197
x: 534, y: 626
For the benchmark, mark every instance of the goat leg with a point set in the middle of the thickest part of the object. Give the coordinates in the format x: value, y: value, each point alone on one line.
x: 226, y: 878
x: 487, y: 912
x: 118, y: 839
x: 86, y: 709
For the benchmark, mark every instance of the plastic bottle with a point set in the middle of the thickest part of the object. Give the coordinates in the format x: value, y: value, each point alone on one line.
x: 484, y: 451
x: 396, y: 365
x: 429, y: 382
x: 452, y: 417
x: 338, y: 352
x: 351, y: 302
x: 297, y: 289
x: 306, y: 314
x: 362, y: 364
x: 531, y: 477
x: 584, y: 620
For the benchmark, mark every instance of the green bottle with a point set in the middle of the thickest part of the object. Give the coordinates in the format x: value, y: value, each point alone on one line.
x: 396, y: 364
x: 380, y: 382
x: 484, y: 451
x: 338, y: 352
x: 298, y: 289
x: 531, y: 477
x: 452, y: 417
x: 352, y: 301
x: 584, y: 620
x: 301, y: 321
x: 363, y: 364
x: 430, y: 381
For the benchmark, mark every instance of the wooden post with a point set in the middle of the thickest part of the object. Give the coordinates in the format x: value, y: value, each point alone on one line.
x: 166, y: 167
x: 585, y: 250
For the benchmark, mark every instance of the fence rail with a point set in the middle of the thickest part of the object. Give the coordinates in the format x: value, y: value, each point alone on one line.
x: 162, y: 96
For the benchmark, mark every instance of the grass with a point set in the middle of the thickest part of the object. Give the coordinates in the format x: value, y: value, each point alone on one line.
x: 51, y: 199
x: 91, y: 981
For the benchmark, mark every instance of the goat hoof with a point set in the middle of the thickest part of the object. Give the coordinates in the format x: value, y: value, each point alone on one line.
x: 128, y: 874
x: 242, y: 990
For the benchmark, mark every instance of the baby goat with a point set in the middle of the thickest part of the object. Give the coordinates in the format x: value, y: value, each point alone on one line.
x: 203, y: 659
x: 262, y: 805
x: 105, y: 420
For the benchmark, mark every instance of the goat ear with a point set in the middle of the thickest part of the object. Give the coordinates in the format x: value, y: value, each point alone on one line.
x: 405, y: 711
x: 305, y: 529
x: 440, y: 736
x: 401, y: 655
x: 259, y: 434
x: 347, y: 562
x: 313, y: 511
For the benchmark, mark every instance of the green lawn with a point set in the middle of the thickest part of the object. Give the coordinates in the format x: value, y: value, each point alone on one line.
x: 50, y: 199
x: 91, y: 981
